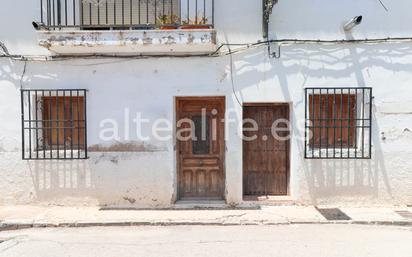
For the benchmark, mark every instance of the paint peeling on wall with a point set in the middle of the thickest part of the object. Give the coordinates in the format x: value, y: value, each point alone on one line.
x: 8, y: 144
x: 130, y: 200
x: 395, y: 134
x: 126, y: 147
x: 154, y: 42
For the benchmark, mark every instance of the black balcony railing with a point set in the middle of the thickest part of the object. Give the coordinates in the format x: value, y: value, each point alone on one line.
x: 125, y: 14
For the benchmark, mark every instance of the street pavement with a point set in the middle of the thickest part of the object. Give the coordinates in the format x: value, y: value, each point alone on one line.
x: 329, y: 240
x: 12, y: 217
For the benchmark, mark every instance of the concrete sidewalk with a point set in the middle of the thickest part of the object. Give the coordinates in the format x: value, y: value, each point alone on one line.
x: 18, y: 217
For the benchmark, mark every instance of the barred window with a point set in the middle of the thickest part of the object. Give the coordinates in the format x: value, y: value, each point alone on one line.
x: 54, y: 124
x: 338, y: 123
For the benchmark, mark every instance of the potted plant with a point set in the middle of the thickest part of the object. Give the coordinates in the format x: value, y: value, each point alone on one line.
x: 168, y: 22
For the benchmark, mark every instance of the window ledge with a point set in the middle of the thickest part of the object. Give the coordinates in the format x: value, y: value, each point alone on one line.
x: 55, y: 155
x: 130, y: 42
x: 345, y: 153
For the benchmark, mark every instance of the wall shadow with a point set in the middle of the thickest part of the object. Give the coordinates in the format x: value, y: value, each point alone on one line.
x: 325, y: 179
x: 56, y: 180
x: 105, y: 179
x: 328, y: 179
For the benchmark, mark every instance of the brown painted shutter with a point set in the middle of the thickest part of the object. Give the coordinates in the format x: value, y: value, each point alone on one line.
x: 63, y: 121
x: 333, y: 118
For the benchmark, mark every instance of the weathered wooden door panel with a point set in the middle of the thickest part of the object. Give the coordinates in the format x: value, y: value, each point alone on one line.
x: 265, y: 157
x: 200, y: 147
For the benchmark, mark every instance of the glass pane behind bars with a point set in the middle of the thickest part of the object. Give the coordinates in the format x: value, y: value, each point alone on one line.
x: 118, y: 12
x: 125, y: 14
x: 201, y: 142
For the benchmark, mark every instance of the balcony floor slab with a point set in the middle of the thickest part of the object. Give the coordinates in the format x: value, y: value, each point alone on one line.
x: 130, y: 42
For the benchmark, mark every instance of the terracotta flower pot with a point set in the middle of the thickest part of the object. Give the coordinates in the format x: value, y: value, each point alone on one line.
x: 168, y: 27
x: 194, y: 26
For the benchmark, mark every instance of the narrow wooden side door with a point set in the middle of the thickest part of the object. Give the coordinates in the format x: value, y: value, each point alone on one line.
x: 265, y: 158
x: 200, y: 147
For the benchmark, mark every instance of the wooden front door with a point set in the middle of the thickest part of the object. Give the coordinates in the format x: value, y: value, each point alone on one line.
x: 265, y: 158
x: 200, y: 147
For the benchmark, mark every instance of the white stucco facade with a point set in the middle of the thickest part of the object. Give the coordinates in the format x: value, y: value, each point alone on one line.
x: 118, y: 88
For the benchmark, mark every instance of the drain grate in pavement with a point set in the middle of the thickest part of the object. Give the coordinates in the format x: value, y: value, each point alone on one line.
x: 333, y: 214
x: 405, y: 214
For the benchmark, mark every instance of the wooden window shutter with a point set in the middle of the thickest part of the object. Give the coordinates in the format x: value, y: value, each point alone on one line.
x: 333, y: 119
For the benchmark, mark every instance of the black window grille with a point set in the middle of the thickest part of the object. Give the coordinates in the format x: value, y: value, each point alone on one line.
x: 54, y: 125
x: 338, y: 123
x: 125, y: 14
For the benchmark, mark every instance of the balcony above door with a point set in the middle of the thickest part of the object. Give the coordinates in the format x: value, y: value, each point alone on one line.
x: 127, y: 27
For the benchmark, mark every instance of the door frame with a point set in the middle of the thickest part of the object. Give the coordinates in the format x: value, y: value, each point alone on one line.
x: 177, y: 145
x: 288, y: 163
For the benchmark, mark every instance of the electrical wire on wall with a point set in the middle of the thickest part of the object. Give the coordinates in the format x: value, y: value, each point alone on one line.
x: 232, y: 80
x: 383, y: 5
x: 4, y: 48
x: 239, y: 47
x: 8, y: 55
x: 23, y: 74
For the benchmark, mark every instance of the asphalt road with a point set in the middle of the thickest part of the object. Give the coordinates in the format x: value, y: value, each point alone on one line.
x: 216, y: 241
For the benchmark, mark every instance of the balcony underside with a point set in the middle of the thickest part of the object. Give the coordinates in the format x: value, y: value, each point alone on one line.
x: 130, y: 42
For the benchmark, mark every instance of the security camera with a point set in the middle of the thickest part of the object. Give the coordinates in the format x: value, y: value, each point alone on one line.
x: 38, y: 25
x: 352, y: 23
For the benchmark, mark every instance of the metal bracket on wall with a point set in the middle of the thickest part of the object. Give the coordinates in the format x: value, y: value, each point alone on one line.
x: 267, y: 11
x: 274, y: 50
